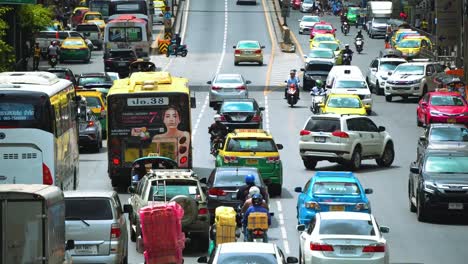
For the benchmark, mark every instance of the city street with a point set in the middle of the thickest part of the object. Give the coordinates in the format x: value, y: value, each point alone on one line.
x: 212, y: 28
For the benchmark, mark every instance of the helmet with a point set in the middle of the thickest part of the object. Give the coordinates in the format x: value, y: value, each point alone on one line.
x: 249, y: 179
x: 257, y: 199
x: 292, y: 72
x: 217, y: 118
x: 359, y: 32
x: 346, y: 45
x: 318, y: 83
x: 254, y: 190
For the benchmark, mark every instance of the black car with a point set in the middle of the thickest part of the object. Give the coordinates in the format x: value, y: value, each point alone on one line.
x: 224, y: 182
x: 241, y: 113
x: 95, y: 78
x: 119, y: 61
x: 441, y: 136
x: 315, y: 70
x: 64, y: 73
x: 90, y: 131
x: 438, y: 182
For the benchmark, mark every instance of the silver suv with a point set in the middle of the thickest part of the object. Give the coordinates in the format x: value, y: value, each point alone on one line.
x: 346, y: 139
x: 97, y: 224
x: 181, y: 186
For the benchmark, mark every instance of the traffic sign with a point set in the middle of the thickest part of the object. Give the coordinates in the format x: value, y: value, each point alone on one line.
x: 167, y: 15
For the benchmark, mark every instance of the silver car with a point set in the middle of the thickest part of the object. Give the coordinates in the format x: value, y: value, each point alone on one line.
x: 96, y: 222
x: 227, y: 86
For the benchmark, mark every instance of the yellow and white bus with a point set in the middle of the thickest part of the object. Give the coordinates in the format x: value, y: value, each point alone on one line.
x: 38, y: 130
x: 149, y: 112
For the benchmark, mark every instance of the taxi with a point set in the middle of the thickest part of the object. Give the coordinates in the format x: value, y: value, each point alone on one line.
x: 77, y: 15
x: 335, y: 46
x: 158, y: 4
x: 409, y: 48
x: 254, y: 148
x: 397, y: 33
x: 94, y: 17
x: 344, y: 104
x: 74, y: 48
x: 352, y: 14
x: 322, y: 37
x: 96, y: 102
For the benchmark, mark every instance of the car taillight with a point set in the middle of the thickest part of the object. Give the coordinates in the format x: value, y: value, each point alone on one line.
x: 216, y: 192
x: 202, y: 211
x: 240, y: 88
x: 256, y: 118
x: 304, y: 132
x: 258, y: 51
x: 273, y: 160
x: 116, y: 161
x: 46, y: 175
x: 340, y: 134
x: 374, y: 248
x: 115, y: 231
x: 216, y: 88
x: 237, y: 51
x: 312, y: 205
x: 230, y: 159
x: 103, y: 111
x: 258, y: 232
x: 90, y: 124
x: 320, y: 247
x: 222, y: 118
x: 67, y: 77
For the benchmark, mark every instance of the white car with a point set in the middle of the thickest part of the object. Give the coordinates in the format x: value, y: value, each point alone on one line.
x: 343, y: 237
x: 353, y: 84
x: 320, y: 54
x: 306, y: 6
x: 247, y: 252
x: 306, y: 23
x: 378, y: 70
x: 339, y: 70
x: 345, y: 139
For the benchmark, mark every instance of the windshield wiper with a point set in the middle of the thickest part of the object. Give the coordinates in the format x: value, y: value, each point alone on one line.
x: 77, y: 218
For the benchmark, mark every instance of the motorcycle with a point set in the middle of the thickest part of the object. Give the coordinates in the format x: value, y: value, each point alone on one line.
x: 359, y: 43
x: 180, y: 50
x: 292, y: 95
x: 216, y: 145
x: 257, y: 235
x: 346, y: 58
x: 53, y: 60
x: 345, y: 28
x: 317, y: 99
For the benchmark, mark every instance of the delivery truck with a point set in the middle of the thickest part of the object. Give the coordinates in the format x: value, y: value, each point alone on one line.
x: 378, y: 14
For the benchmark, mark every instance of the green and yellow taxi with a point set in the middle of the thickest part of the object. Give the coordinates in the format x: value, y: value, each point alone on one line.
x: 96, y: 101
x: 74, y: 48
x: 314, y: 43
x: 396, y: 34
x: 344, y: 104
x: 352, y: 14
x: 335, y: 46
x: 254, y: 148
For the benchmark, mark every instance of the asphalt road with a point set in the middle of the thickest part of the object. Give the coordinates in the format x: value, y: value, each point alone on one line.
x: 212, y: 28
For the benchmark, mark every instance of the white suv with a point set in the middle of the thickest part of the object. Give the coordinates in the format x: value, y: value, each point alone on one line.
x: 346, y: 139
x: 378, y: 70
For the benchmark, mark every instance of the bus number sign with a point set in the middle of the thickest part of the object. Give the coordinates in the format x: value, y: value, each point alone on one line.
x: 148, y: 101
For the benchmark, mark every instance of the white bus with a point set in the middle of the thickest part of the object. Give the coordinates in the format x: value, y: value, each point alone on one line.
x: 38, y: 130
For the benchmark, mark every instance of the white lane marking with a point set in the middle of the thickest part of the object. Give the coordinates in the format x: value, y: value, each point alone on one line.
x: 278, y: 206
x: 218, y: 69
x: 267, y: 114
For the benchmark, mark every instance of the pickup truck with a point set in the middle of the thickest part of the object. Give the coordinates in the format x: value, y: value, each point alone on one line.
x: 91, y: 32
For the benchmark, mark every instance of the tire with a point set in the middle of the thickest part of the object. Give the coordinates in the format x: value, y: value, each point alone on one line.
x: 388, y: 98
x: 387, y: 157
x: 184, y: 53
x: 236, y: 63
x: 421, y: 211
x: 309, y: 163
x: 412, y: 208
x: 419, y: 123
x: 133, y: 235
x: 260, y: 63
x: 356, y: 159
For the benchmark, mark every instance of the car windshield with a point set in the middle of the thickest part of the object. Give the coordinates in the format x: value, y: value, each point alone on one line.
x: 344, y: 102
x: 353, y: 11
x: 165, y: 191
x: 410, y: 69
x: 248, y: 45
x: 234, y: 178
x: 346, y: 227
x: 323, y: 27
x: 251, y: 145
x: 448, y: 134
x: 324, y: 38
x: 336, y: 188
x: 446, y: 164
x: 330, y: 45
x: 93, y: 102
x: 228, y: 79
x: 310, y: 19
x: 447, y: 101
x: 85, y: 80
x: 328, y: 54
x: 389, y: 65
x: 411, y: 44
x: 92, y: 16
x: 244, y: 257
x: 319, y: 124
x: 88, y: 209
x: 237, y: 107
x: 350, y: 84
x: 72, y: 43
x: 60, y: 74
x: 381, y: 20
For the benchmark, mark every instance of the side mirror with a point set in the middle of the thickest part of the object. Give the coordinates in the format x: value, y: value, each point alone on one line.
x: 262, y: 47
x: 302, y: 69
x: 424, y: 104
x: 423, y: 138
x: 131, y: 189
x: 381, y: 128
x: 127, y: 208
x: 321, y: 105
x: 279, y: 146
x: 368, y: 191
x: 384, y: 229
x: 248, y: 82
x: 292, y: 260
x: 208, y: 82
x: 300, y: 228
x: 298, y: 189
x: 261, y: 108
x: 305, y: 57
x: 234, y: 46
x: 203, y: 180
x: 203, y: 259
x: 285, y: 81
x: 389, y: 73
x: 70, y: 245
x: 367, y: 107
x: 414, y: 168
x: 374, y: 69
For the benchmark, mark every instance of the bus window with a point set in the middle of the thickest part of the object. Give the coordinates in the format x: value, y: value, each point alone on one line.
x: 23, y: 113
x: 131, y: 34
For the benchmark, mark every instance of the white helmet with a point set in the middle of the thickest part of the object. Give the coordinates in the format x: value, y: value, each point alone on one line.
x: 254, y: 190
x: 217, y: 118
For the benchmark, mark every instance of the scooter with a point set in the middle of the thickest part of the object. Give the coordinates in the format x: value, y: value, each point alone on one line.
x: 257, y: 235
x: 216, y: 145
x: 181, y: 50
x: 359, y: 43
x: 346, y: 59
x: 317, y: 99
x: 292, y: 95
x: 345, y: 28
x: 52, y: 60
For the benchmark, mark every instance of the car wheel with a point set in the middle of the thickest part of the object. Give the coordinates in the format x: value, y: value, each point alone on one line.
x: 421, y: 211
x: 355, y: 162
x: 418, y: 122
x: 388, y: 98
x: 275, y: 189
x: 260, y: 63
x: 236, y: 63
x: 412, y: 208
x: 125, y: 260
x: 387, y: 157
x: 309, y: 163
x: 133, y: 235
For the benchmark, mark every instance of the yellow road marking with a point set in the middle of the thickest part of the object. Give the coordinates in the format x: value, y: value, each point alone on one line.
x: 273, y: 46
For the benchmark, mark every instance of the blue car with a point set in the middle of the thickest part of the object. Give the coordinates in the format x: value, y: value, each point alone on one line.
x: 331, y: 191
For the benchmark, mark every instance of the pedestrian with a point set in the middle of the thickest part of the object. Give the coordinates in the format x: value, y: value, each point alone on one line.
x: 424, y: 25
x: 36, y: 56
x: 417, y: 22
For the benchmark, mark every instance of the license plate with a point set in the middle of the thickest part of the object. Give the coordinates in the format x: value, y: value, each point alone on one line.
x: 251, y: 162
x: 451, y: 120
x: 337, y: 208
x: 455, y: 206
x: 319, y: 139
x: 122, y: 64
x: 347, y: 250
x: 85, y: 250
x: 247, y: 52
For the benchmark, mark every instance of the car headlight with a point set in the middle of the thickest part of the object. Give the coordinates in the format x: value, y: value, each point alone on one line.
x: 367, y: 96
x: 436, y: 113
x: 429, y: 187
x: 464, y: 114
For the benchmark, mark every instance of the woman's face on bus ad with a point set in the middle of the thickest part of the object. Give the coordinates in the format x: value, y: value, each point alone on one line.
x: 171, y: 118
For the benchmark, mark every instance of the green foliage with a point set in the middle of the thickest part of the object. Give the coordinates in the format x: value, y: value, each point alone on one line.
x: 34, y: 18
x: 7, y: 56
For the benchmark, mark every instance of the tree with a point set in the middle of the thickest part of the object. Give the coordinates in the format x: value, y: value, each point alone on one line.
x: 7, y: 56
x: 34, y: 18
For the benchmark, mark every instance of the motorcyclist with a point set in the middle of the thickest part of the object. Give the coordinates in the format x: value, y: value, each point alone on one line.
x: 53, y: 49
x: 256, y: 207
x: 293, y: 79
x: 348, y: 51
x: 217, y: 129
x: 359, y: 35
x: 243, y: 191
x: 253, y: 190
x: 318, y: 88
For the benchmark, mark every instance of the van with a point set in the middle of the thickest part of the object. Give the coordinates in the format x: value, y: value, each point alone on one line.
x: 350, y: 70
x: 92, y: 32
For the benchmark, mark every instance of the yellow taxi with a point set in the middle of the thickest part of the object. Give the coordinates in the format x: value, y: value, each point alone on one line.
x: 254, y: 148
x: 74, y: 48
x: 94, y: 17
x: 320, y: 38
x: 159, y: 4
x: 397, y: 33
x: 410, y: 46
x: 344, y: 104
x: 335, y: 46
x: 97, y: 104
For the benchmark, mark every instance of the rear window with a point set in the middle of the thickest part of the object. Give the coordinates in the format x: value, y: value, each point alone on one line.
x: 251, y: 145
x: 449, y: 134
x: 248, y: 45
x: 88, y: 209
x: 85, y: 80
x: 350, y: 84
x: 93, y: 27
x: 346, y: 227
x: 158, y: 191
x: 336, y: 188
x: 72, y: 43
x: 122, y: 54
x: 234, y: 178
x: 237, y: 107
x: 317, y: 124
x: 228, y: 79
x: 93, y: 101
x: 242, y: 258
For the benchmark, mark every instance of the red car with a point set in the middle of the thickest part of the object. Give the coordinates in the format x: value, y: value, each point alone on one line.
x: 322, y: 28
x: 442, y: 107
x: 296, y: 4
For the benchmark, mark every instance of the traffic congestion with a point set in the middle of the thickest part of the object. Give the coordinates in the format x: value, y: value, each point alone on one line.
x: 224, y: 149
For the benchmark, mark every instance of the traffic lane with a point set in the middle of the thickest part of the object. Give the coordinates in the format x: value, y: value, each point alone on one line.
x: 96, y: 64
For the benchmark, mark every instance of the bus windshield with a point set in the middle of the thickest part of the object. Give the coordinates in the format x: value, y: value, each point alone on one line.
x: 19, y: 111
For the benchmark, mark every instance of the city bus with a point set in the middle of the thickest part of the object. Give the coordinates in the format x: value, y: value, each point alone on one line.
x: 101, y: 6
x: 38, y: 130
x: 147, y: 113
x: 127, y: 7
